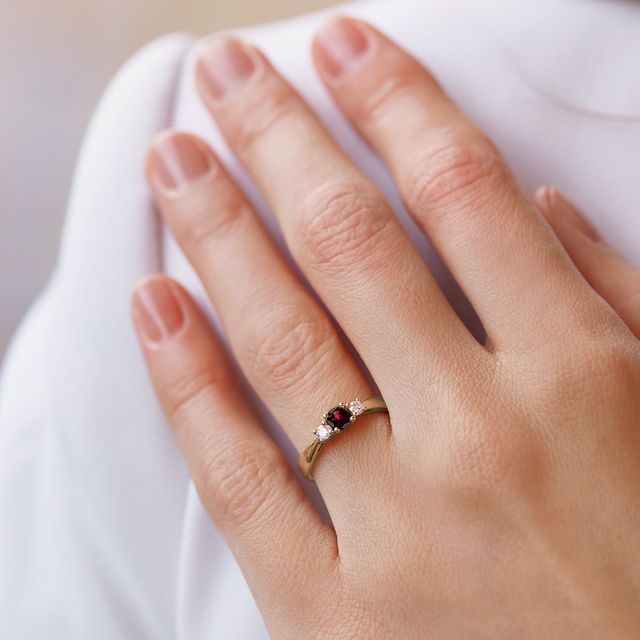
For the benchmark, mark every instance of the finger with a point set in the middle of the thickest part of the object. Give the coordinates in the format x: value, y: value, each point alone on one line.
x: 451, y: 177
x: 337, y: 225
x: 242, y: 478
x: 611, y: 275
x: 284, y: 341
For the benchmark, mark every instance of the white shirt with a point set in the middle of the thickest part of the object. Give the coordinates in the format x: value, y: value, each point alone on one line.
x: 101, y: 533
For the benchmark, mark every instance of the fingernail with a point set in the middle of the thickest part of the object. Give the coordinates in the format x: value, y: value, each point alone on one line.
x: 224, y: 66
x: 342, y: 43
x: 178, y: 159
x: 156, y: 310
x: 554, y: 201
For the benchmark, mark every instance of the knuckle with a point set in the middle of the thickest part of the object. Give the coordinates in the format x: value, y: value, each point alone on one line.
x: 601, y: 353
x: 612, y: 365
x: 262, y: 112
x: 288, y: 350
x: 587, y: 379
x: 238, y: 481
x: 499, y: 457
x: 190, y: 393
x: 457, y: 170
x: 376, y: 103
x: 208, y: 226
x: 339, y: 225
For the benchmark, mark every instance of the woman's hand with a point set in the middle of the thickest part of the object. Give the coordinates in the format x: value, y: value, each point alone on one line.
x: 499, y: 499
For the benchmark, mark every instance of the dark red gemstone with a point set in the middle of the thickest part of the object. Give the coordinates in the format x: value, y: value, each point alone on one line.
x: 339, y: 417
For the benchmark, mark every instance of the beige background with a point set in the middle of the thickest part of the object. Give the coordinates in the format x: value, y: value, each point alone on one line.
x: 55, y: 58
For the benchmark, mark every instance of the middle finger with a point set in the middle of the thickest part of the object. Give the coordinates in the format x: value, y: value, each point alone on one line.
x: 338, y: 227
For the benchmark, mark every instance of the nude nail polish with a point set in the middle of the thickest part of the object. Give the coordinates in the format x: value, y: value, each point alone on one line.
x: 223, y: 66
x: 341, y: 44
x: 156, y: 310
x: 176, y: 160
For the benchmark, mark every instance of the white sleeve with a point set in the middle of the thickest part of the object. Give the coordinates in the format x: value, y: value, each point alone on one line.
x: 101, y: 534
x: 92, y: 490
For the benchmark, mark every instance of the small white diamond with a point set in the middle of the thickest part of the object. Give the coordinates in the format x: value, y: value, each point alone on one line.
x: 323, y: 432
x: 356, y: 407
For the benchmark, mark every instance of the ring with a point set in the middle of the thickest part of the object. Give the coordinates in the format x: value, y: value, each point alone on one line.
x: 334, y: 422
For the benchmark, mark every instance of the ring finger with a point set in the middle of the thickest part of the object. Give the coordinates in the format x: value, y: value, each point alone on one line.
x: 285, y: 343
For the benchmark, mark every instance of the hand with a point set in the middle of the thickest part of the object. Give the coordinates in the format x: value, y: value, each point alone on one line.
x: 499, y: 498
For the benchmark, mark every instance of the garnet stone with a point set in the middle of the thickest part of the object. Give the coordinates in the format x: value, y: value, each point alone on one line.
x: 339, y: 417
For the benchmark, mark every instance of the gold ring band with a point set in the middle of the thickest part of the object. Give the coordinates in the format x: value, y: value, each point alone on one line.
x: 334, y: 422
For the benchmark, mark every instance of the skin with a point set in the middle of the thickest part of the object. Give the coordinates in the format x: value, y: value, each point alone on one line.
x: 499, y: 497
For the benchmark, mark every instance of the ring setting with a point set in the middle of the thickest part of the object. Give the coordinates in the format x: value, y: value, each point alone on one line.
x: 338, y: 419
x: 334, y: 422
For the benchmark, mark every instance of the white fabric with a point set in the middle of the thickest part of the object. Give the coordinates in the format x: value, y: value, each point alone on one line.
x: 101, y: 534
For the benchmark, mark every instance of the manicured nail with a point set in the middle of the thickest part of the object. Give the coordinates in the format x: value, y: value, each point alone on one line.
x: 224, y: 65
x: 157, y: 312
x: 554, y: 201
x: 341, y: 43
x: 178, y: 159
